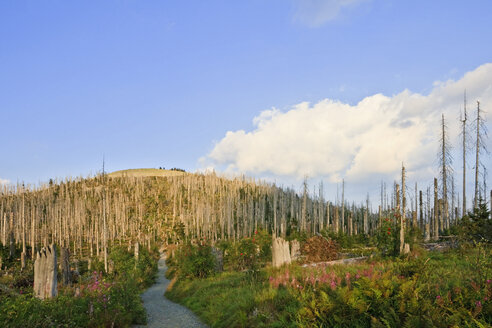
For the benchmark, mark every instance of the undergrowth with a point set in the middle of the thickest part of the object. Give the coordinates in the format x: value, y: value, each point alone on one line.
x: 450, y: 289
x: 96, y: 300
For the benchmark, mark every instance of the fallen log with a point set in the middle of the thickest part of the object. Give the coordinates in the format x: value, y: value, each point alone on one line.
x: 336, y: 262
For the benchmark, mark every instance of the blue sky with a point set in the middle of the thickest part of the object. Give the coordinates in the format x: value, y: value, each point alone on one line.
x: 160, y: 83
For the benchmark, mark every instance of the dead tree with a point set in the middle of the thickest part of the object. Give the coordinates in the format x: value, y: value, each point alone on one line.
x: 435, y: 228
x: 45, y: 270
x: 480, y: 147
x: 445, y: 161
x: 403, y: 197
x: 421, y: 213
x: 343, y: 205
x: 465, y: 148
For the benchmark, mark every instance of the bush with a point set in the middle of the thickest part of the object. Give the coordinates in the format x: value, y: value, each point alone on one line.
x: 388, y: 237
x: 243, y: 255
x: 477, y: 226
x: 110, y: 300
x: 249, y: 253
x: 344, y: 240
x: 195, y: 261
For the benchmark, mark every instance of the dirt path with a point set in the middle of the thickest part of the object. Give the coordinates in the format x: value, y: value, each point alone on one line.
x: 161, y: 312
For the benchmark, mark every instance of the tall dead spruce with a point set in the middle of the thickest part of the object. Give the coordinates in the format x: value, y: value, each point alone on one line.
x: 480, y: 148
x: 445, y: 161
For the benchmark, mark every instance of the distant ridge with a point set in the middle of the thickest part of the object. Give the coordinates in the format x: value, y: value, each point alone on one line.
x: 145, y: 173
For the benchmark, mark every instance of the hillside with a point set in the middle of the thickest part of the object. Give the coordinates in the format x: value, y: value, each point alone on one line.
x: 140, y: 173
x: 148, y: 205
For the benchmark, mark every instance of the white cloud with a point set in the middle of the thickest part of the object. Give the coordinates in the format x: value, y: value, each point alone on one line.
x: 363, y: 143
x: 315, y: 13
x: 4, y: 181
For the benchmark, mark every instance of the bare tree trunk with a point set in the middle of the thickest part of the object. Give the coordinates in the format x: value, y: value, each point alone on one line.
x: 477, y: 162
x: 421, y: 211
x: 336, y: 220
x: 398, y: 214
x: 464, y: 156
x: 444, y: 155
x: 403, y: 198
x: 436, y: 212
x: 343, y: 205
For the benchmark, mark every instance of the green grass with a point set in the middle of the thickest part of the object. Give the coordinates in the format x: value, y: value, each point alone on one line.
x: 450, y: 289
x: 97, y: 300
x: 234, y: 299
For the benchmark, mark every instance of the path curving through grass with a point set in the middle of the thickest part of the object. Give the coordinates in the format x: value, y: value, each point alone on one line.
x: 161, y: 312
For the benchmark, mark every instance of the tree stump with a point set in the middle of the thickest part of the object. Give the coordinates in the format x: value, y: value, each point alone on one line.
x: 295, y: 250
x: 219, y: 259
x: 45, y: 282
x: 406, y: 249
x: 280, y: 252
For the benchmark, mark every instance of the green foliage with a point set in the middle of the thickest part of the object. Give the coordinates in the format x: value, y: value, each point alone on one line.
x: 441, y: 290
x: 125, y: 267
x: 344, y: 240
x: 110, y: 300
x: 195, y: 260
x: 100, y: 304
x: 249, y: 253
x: 232, y: 300
x: 388, y: 237
x: 243, y: 255
x: 477, y: 226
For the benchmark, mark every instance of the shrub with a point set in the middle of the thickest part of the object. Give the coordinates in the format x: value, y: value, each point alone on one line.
x: 195, y: 261
x: 244, y: 254
x: 388, y: 237
x: 110, y: 300
x: 477, y: 226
